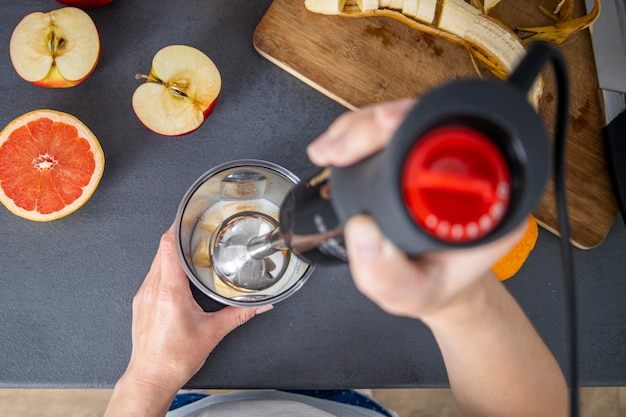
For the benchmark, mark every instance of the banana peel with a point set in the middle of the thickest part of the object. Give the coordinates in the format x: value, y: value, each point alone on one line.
x: 564, y: 9
x: 489, y: 41
x: 561, y: 31
x: 489, y: 4
x: 354, y: 12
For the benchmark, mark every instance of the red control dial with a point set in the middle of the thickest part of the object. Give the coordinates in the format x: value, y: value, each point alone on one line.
x: 456, y: 184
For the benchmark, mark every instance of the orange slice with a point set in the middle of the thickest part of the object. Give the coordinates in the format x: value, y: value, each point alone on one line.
x: 50, y: 165
x: 512, y: 262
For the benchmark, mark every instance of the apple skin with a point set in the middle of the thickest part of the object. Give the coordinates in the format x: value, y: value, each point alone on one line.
x: 25, y: 48
x: 85, y: 4
x: 54, y: 79
x: 206, y: 114
x: 180, y: 92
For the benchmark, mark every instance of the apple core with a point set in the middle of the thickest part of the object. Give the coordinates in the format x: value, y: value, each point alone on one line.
x: 179, y: 93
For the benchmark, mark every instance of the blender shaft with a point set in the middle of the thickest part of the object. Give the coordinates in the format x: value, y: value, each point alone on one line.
x: 261, y: 247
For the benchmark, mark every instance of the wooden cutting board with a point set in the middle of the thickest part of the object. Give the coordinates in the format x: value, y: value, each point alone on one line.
x: 368, y: 60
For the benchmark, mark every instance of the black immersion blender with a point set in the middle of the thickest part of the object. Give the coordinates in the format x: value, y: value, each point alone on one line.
x: 466, y: 166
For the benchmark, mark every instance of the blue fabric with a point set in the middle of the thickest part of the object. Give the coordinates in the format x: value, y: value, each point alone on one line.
x: 186, y: 398
x: 340, y: 396
x: 346, y: 397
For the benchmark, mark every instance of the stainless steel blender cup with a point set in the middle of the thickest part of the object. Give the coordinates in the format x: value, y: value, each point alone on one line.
x: 220, y: 213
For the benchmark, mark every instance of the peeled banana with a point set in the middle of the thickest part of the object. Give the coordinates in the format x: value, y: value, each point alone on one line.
x: 496, y: 46
x: 325, y: 6
x: 367, y: 4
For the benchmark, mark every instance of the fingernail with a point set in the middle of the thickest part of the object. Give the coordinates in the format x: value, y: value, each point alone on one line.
x: 263, y: 309
x: 317, y: 149
x: 368, y: 241
x: 315, y: 154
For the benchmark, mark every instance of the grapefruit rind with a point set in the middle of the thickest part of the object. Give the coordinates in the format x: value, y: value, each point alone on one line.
x: 87, y: 190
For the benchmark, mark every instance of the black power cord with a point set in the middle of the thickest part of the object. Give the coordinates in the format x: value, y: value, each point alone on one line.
x: 524, y: 75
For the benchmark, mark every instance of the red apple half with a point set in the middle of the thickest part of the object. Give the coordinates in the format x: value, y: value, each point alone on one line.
x: 55, y: 49
x: 85, y: 4
x: 179, y: 93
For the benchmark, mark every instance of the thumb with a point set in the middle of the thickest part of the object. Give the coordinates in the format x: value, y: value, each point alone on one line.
x: 379, y: 269
x: 226, y: 320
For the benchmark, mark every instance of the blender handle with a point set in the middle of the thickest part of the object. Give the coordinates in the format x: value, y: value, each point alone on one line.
x: 498, y: 110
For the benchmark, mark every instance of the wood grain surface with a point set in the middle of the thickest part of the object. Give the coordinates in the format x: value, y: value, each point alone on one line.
x: 368, y: 60
x: 594, y: 402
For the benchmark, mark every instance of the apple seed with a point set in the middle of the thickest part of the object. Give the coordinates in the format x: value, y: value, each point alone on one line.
x: 55, y: 45
x: 174, y: 89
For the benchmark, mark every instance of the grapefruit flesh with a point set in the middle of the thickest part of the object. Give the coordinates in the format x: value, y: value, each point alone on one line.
x: 50, y: 165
